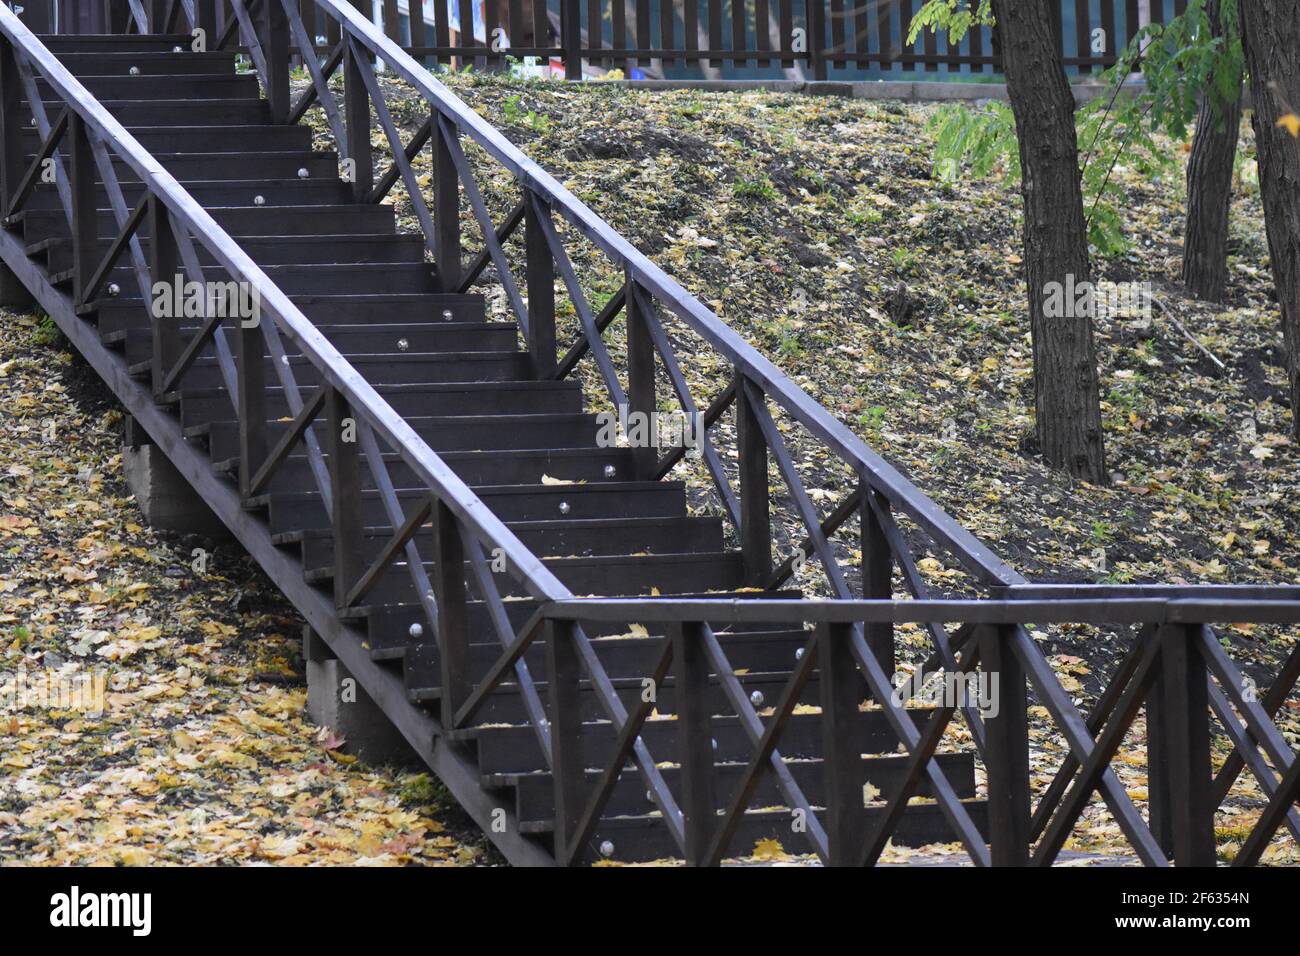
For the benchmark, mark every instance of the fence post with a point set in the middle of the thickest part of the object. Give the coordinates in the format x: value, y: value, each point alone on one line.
x: 817, y: 38
x: 694, y: 738
x: 356, y: 109
x: 81, y: 169
x: 755, y: 508
x: 453, y: 614
x: 157, y: 14
x: 205, y: 19
x: 877, y: 573
x: 1006, y: 750
x: 1187, y: 728
x: 571, y: 38
x: 446, y: 207
x: 1159, y: 795
x: 842, y: 690
x: 541, y: 287
x: 345, y: 493
x: 11, y: 125
x: 568, y: 772
x: 640, y: 378
x: 164, y: 266
x: 252, y: 405
x: 273, y: 34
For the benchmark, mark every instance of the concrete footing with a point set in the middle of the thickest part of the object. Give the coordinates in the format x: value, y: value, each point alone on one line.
x: 337, y: 701
x: 167, y: 500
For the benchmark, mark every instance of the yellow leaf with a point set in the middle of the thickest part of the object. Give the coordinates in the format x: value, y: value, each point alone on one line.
x: 1291, y: 123
x: 770, y: 849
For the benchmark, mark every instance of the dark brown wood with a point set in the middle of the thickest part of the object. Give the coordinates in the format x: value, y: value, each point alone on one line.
x: 541, y: 290
x: 842, y: 691
x: 695, y: 739
x: 877, y: 571
x: 450, y: 595
x: 446, y: 209
x: 345, y: 490
x: 164, y: 266
x: 641, y: 397
x: 356, y: 110
x: 1187, y: 725
x: 564, y: 671
x: 273, y: 34
x: 755, y: 507
x: 1006, y: 749
x: 1160, y: 795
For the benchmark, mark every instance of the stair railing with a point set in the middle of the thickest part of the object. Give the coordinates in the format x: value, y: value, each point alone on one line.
x: 1176, y: 669
x: 84, y: 140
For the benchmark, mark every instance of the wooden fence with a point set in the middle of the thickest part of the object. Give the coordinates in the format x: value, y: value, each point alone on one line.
x: 818, y: 36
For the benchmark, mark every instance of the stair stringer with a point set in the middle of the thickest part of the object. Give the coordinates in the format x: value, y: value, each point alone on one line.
x: 449, y: 761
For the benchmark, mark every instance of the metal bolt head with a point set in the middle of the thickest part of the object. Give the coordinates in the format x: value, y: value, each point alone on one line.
x: 607, y: 848
x: 564, y: 508
x: 609, y: 471
x: 403, y: 345
x: 134, y: 71
x: 259, y: 200
x: 447, y: 315
x: 416, y: 630
x: 321, y: 41
x: 178, y: 49
x: 715, y: 743
x: 302, y: 172
x: 114, y: 289
x: 756, y: 698
x: 798, y: 654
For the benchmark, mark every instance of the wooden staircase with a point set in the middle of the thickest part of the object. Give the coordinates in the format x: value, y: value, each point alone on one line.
x: 523, y: 442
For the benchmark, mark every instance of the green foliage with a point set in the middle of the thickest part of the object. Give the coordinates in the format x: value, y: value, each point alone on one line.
x: 756, y: 188
x: 1180, y: 61
x: 954, y: 16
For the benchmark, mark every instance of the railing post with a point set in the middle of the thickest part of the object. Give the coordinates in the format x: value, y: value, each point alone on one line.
x: 817, y: 38
x: 81, y: 169
x: 205, y: 19
x: 11, y: 125
x: 571, y: 38
x: 755, y: 508
x: 273, y: 33
x: 446, y: 208
x: 164, y: 266
x: 541, y: 288
x: 1159, y: 796
x: 877, y: 572
x: 694, y: 738
x: 568, y: 772
x: 640, y: 380
x: 356, y: 109
x: 449, y: 594
x: 252, y: 405
x: 345, y: 493
x: 842, y: 690
x: 1006, y: 752
x: 157, y: 13
x: 1187, y: 727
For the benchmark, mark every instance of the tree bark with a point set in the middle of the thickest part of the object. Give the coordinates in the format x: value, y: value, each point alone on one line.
x: 1066, y: 394
x: 1209, y: 185
x: 1271, y: 32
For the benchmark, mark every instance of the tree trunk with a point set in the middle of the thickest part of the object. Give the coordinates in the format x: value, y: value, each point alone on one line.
x: 1271, y: 32
x: 1066, y: 394
x: 1209, y: 185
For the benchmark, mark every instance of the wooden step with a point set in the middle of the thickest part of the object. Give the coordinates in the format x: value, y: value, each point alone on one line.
x: 189, y: 86
x: 670, y: 573
x: 240, y: 220
x: 201, y: 406
x: 591, y: 537
x: 297, y: 511
x: 388, y: 369
x: 110, y: 62
x: 442, y: 433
